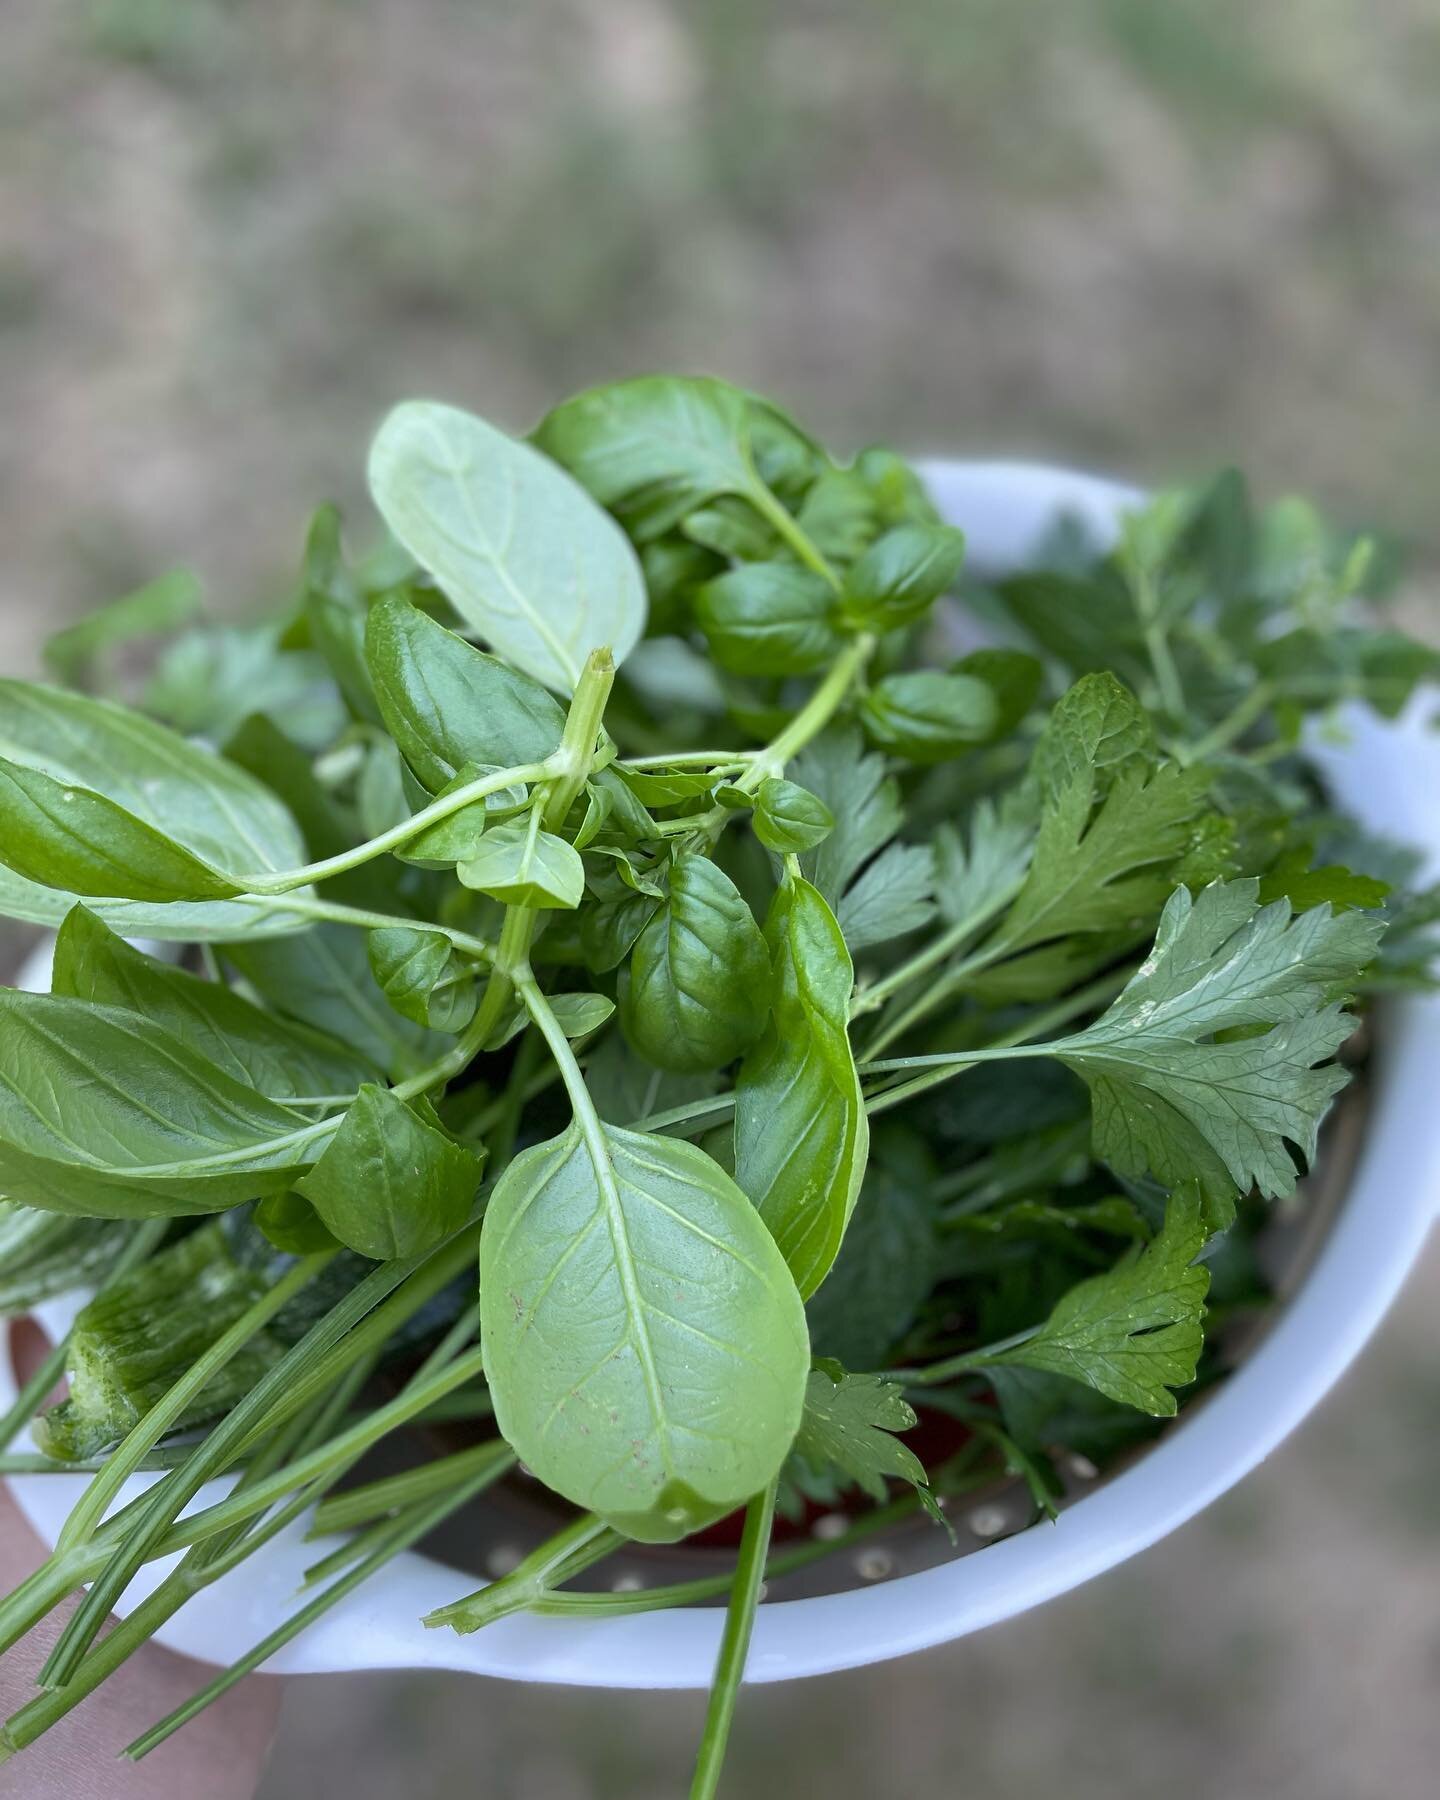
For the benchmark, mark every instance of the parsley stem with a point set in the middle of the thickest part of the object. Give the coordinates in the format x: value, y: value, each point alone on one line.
x: 735, y: 1644
x: 936, y: 951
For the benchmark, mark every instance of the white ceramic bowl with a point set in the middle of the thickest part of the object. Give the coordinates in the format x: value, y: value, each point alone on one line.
x: 1388, y: 774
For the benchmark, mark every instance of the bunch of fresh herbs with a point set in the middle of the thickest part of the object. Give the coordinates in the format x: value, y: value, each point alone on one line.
x: 800, y: 978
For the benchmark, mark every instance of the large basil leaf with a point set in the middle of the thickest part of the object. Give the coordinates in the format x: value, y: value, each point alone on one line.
x: 97, y: 799
x: 324, y: 979
x: 801, y: 1134
x: 447, y: 704
x: 285, y: 1060
x: 699, y: 981
x: 105, y: 1113
x: 644, y: 1343
x: 389, y: 1184
x: 519, y: 548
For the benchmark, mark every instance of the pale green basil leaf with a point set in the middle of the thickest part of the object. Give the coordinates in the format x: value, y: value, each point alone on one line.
x: 769, y: 619
x: 324, y: 979
x: 644, y: 1343
x: 274, y: 1056
x: 389, y: 1184
x: 380, y: 792
x: 106, y: 1113
x: 520, y: 866
x: 447, y: 704
x: 208, y: 808
x: 519, y: 548
x: 581, y: 1013
x: 801, y: 1132
x: 452, y: 840
x: 698, y: 987
x: 422, y: 976
x: 789, y: 818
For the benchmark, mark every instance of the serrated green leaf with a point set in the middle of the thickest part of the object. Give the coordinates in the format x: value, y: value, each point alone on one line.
x: 1135, y: 1333
x: 847, y: 1433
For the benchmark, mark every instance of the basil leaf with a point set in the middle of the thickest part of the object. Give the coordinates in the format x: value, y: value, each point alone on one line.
x: 657, y: 448
x: 162, y: 605
x: 324, y: 979
x: 520, y: 865
x: 901, y: 576
x: 927, y: 716
x: 273, y: 1056
x: 333, y: 608
x: 517, y: 546
x: 68, y: 837
x: 644, y: 1343
x: 447, y: 704
x: 96, y: 798
x: 698, y: 986
x: 768, y: 619
x: 801, y: 1133
x: 291, y: 1224
x: 388, y: 1183
x: 789, y: 818
x: 1013, y: 678
x: 106, y: 1113
x: 422, y: 976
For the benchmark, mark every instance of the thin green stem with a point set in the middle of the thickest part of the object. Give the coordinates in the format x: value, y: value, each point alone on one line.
x: 692, y: 759
x: 813, y: 717
x: 788, y: 527
x: 328, y: 911
x: 1249, y: 712
x: 358, y: 1506
x: 576, y: 1547
x: 735, y: 1644
x: 265, y: 884
x: 867, y: 999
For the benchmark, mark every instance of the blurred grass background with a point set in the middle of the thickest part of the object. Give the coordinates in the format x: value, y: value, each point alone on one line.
x: 1144, y: 235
